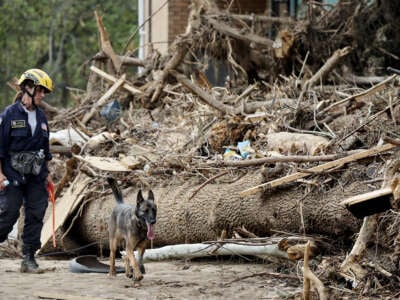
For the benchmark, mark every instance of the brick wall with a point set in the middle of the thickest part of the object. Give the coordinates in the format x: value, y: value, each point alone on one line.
x: 244, y: 6
x: 178, y: 17
x: 179, y: 12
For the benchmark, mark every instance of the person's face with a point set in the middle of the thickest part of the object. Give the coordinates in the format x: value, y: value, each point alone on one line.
x: 39, y: 95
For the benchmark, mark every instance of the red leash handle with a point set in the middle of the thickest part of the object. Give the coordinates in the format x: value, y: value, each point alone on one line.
x: 50, y: 190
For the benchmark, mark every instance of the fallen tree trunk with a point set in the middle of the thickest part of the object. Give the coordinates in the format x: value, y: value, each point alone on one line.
x: 218, y: 206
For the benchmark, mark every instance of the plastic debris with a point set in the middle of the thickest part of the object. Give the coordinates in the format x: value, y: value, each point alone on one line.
x: 231, y: 155
x: 245, y: 149
x: 111, y: 111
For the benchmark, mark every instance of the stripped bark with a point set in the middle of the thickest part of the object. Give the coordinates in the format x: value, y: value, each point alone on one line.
x: 350, y: 268
x: 111, y: 78
x: 106, y: 43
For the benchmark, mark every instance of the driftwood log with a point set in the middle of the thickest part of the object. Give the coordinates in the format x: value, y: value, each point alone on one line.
x: 218, y: 206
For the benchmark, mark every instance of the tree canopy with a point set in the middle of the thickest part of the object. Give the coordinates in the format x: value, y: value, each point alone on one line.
x: 58, y: 36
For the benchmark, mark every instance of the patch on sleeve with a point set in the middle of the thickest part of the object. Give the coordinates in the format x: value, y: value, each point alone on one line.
x: 18, y: 124
x: 44, y: 127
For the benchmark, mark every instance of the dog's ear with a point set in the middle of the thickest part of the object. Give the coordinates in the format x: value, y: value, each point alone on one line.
x: 151, y: 196
x: 139, y: 198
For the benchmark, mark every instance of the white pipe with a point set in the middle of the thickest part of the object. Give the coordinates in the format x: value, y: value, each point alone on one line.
x: 202, y: 250
x: 141, y: 30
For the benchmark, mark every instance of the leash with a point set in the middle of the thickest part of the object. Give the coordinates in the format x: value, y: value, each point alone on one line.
x: 50, y: 190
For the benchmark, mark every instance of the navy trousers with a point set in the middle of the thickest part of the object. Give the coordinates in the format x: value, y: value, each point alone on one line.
x: 34, y: 197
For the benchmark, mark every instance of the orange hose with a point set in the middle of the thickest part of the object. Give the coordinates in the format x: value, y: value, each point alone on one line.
x: 50, y: 190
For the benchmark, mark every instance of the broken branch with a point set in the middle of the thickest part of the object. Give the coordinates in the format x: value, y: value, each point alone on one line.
x: 111, y: 78
x: 323, y: 167
x: 104, y: 99
x: 310, y: 277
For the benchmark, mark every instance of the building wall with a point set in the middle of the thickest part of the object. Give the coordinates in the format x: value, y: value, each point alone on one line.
x: 244, y: 6
x: 178, y: 17
x: 179, y: 12
x: 156, y: 29
x: 172, y: 19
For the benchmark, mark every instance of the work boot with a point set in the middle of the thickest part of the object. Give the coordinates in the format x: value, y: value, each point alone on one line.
x: 29, y: 264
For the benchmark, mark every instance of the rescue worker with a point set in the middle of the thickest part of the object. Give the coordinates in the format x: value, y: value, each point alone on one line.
x: 24, y: 153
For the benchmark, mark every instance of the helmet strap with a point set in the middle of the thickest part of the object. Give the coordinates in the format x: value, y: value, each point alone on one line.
x: 30, y: 95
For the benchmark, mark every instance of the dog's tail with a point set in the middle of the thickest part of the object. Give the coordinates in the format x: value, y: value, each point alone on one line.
x: 116, y: 191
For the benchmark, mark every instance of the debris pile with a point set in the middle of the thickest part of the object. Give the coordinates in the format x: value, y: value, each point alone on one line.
x: 273, y: 151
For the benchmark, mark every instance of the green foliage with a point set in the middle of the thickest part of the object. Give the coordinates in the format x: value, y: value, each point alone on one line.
x: 58, y: 36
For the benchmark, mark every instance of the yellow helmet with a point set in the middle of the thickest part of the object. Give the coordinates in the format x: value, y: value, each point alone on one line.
x: 39, y: 77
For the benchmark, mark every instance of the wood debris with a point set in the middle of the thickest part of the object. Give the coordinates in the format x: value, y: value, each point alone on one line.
x: 176, y: 127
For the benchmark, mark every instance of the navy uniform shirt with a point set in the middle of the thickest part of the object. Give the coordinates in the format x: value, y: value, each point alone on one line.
x: 16, y: 136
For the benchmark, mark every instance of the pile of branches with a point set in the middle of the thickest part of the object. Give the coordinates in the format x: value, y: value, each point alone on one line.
x: 316, y: 92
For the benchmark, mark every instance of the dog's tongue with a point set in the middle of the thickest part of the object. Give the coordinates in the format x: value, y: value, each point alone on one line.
x: 150, y: 231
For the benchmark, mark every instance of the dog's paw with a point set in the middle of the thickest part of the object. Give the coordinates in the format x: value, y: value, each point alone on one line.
x: 112, y: 274
x: 142, y: 269
x: 129, y: 272
x: 138, y: 277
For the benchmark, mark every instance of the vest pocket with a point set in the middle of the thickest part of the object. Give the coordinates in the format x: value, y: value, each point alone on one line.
x: 19, y: 132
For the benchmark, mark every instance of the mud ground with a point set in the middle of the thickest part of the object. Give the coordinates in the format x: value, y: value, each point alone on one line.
x: 211, y: 279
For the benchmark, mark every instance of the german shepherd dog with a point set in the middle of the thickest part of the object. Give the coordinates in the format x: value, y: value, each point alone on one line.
x: 135, y: 225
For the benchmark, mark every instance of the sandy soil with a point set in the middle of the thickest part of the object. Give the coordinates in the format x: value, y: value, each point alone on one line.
x: 211, y: 279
